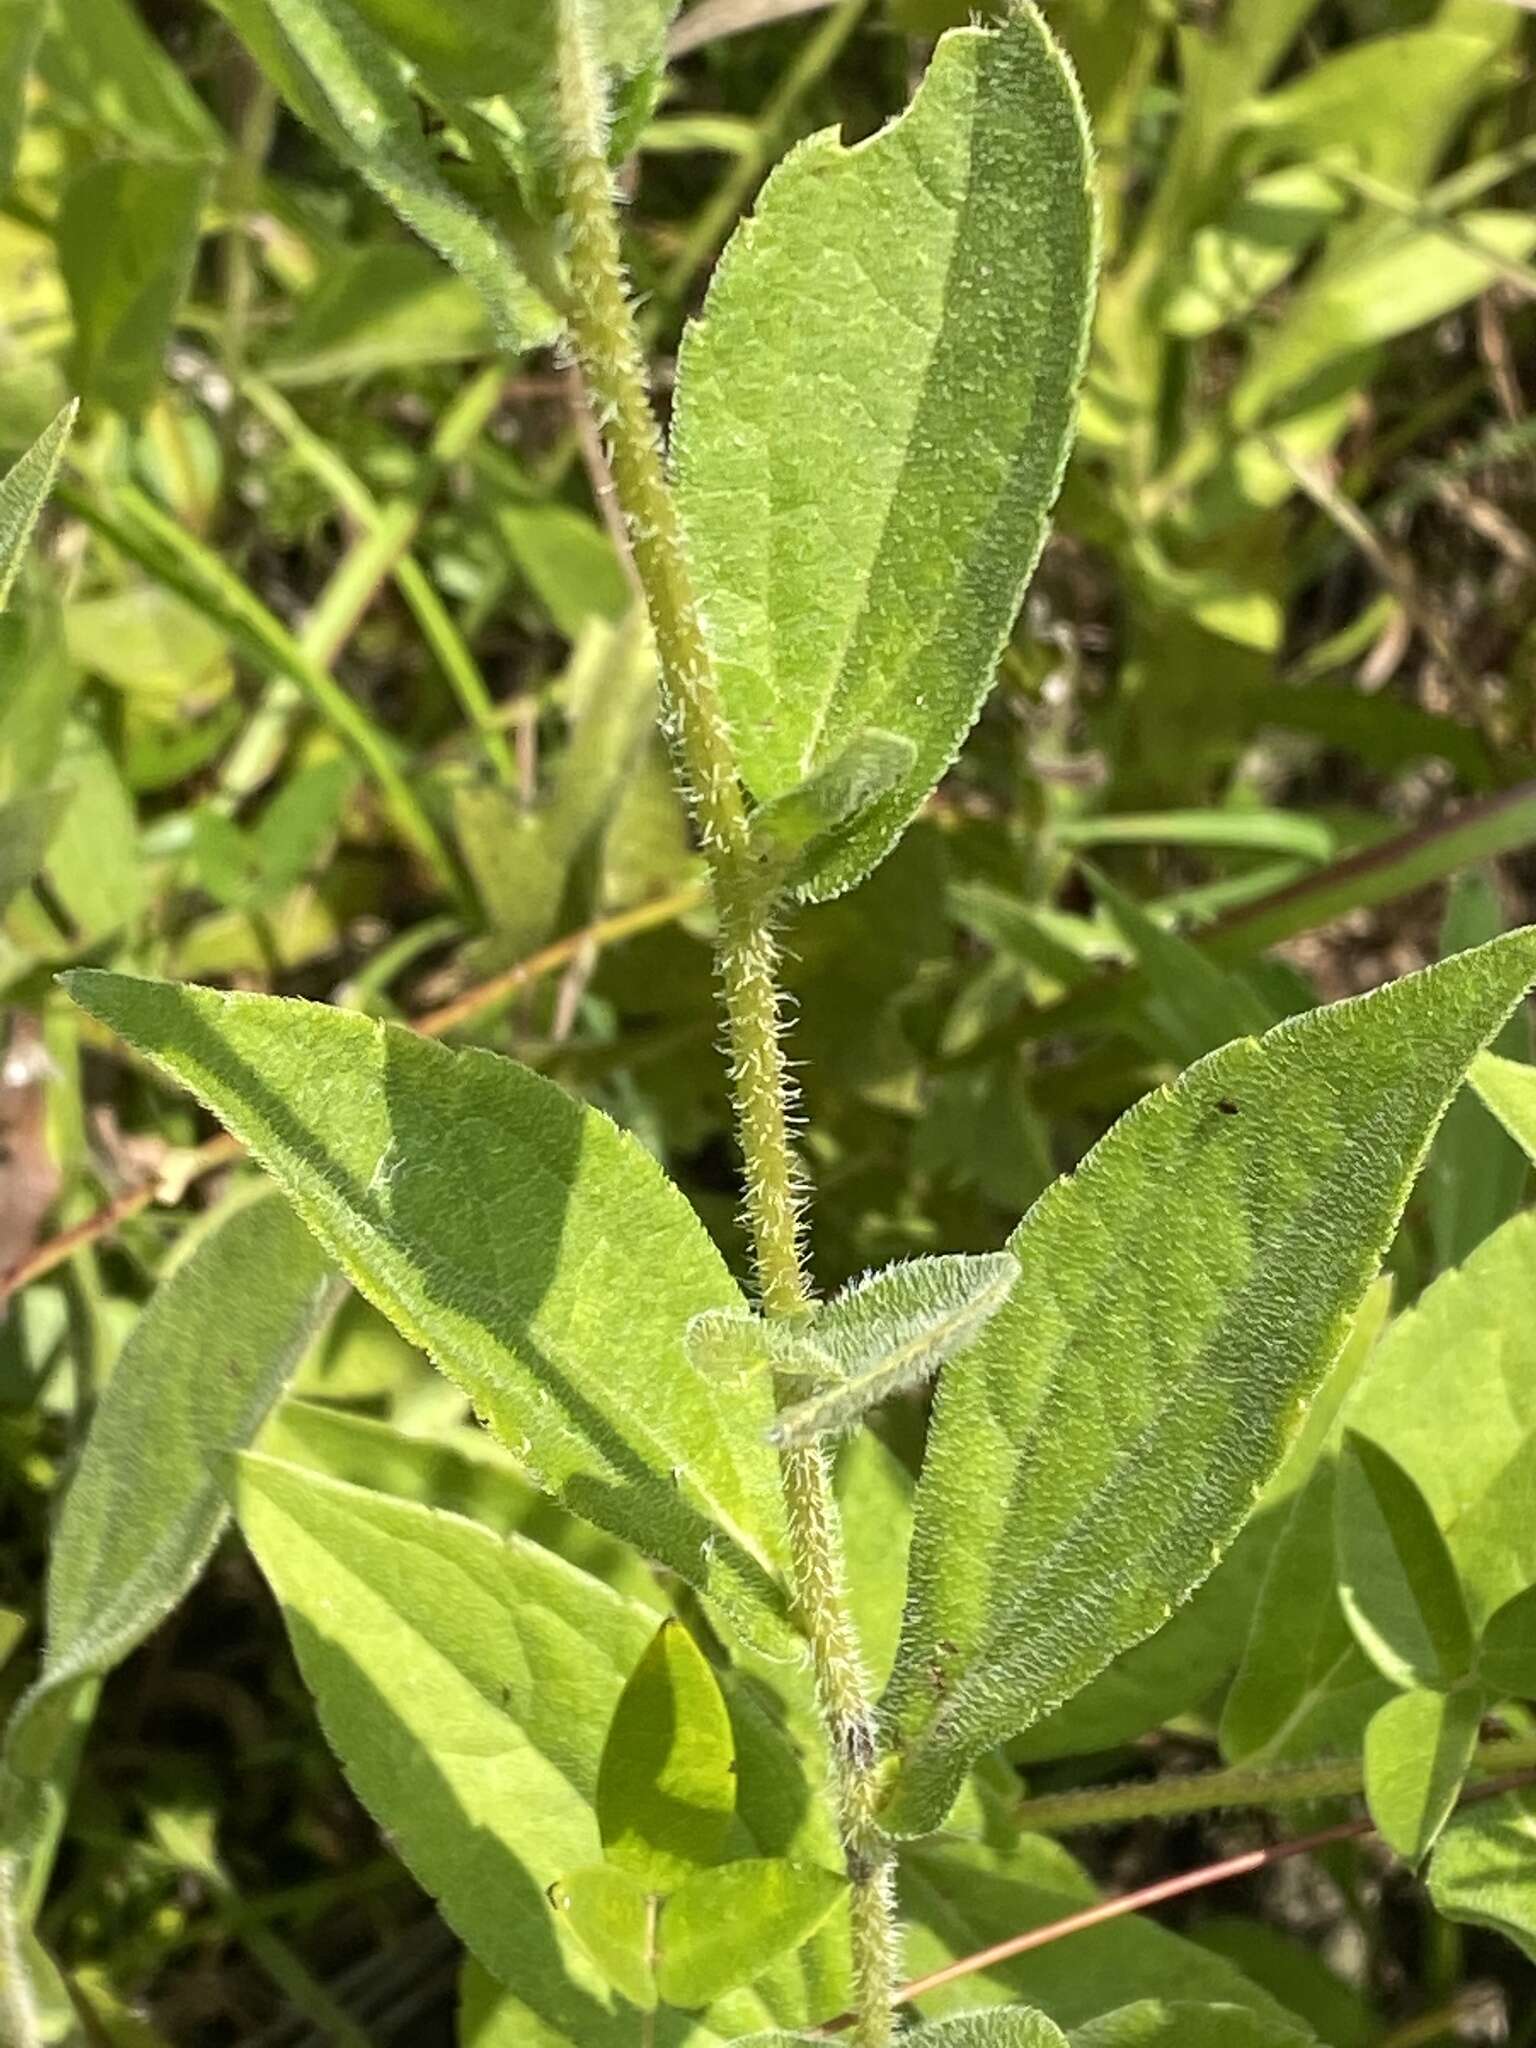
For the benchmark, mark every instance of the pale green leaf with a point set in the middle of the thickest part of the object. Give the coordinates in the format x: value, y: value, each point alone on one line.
x: 127, y: 234
x: 1481, y: 1869
x: 607, y: 1910
x: 483, y: 1766
x: 1467, y: 1350
x: 1232, y: 262
x: 526, y: 1243
x: 1151, y: 2023
x: 1506, y: 1656
x: 197, y: 1378
x: 723, y: 1927
x: 873, y: 418
x: 787, y: 830
x: 24, y: 492
x: 337, y: 76
x: 1508, y: 1087
x: 1418, y: 1750
x: 1182, y: 1298
x: 1397, y: 1578
x: 667, y: 1787
x: 384, y: 306
x: 891, y: 1331
x: 26, y: 826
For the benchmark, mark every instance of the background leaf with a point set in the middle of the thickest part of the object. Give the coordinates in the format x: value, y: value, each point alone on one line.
x: 1396, y: 1576
x: 1418, y: 1750
x: 908, y: 317
x: 23, y: 494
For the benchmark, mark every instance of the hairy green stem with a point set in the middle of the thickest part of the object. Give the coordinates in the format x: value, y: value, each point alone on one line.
x: 606, y: 341
x: 1107, y: 1806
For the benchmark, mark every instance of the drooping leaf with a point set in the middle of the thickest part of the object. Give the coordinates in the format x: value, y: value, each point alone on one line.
x: 723, y: 1927
x: 607, y: 1910
x: 1181, y: 1299
x: 1397, y: 1578
x: 1418, y: 1750
x: 522, y: 1240
x: 196, y: 1379
x: 1467, y: 1350
x: 1508, y: 1088
x: 1481, y: 1870
x: 483, y: 1766
x: 127, y: 234
x: 667, y: 1787
x: 1151, y: 2023
x: 337, y: 75
x: 23, y: 494
x: 891, y: 1332
x: 1506, y: 1656
x: 873, y: 417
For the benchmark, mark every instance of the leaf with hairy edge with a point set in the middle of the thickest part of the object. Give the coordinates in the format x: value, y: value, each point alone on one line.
x: 1005, y: 2027
x: 1397, y: 1579
x: 1182, y: 1297
x: 197, y: 1378
x: 1481, y: 1870
x: 337, y: 76
x: 873, y: 418
x: 1418, y: 1750
x: 530, y: 1246
x: 891, y: 1331
x: 24, y: 492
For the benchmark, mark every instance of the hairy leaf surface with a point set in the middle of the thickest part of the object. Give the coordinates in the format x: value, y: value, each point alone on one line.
x: 24, y: 492
x: 523, y: 1240
x: 873, y: 419
x: 1182, y: 1297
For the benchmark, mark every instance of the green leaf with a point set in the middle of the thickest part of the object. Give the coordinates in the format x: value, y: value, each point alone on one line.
x: 873, y: 417
x: 1012, y: 2026
x: 1397, y: 1578
x: 500, y: 1225
x: 483, y: 1767
x: 205, y: 1362
x: 384, y: 306
x: 108, y: 74
x: 24, y: 492
x: 1183, y: 1295
x: 723, y: 1927
x: 1418, y: 1750
x: 339, y: 78
x: 1151, y: 2023
x: 667, y: 1787
x: 608, y: 1911
x: 1481, y: 1870
x: 1197, y: 1006
x: 1508, y: 1088
x: 21, y: 26
x: 127, y: 233
x: 874, y: 1497
x: 788, y: 830
x: 26, y: 826
x: 1506, y: 1656
x: 891, y: 1331
x: 1467, y: 1350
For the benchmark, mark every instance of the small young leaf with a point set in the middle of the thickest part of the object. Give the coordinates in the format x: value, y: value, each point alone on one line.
x: 127, y: 234
x: 197, y: 1378
x: 1183, y: 1295
x: 609, y: 1912
x: 873, y: 418
x: 892, y: 1331
x: 787, y: 830
x: 1508, y: 1088
x: 723, y: 1927
x: 338, y: 77
x: 1151, y: 2023
x: 1397, y: 1579
x: 1506, y: 1657
x: 24, y: 492
x: 667, y: 1787
x: 531, y: 1247
x: 1418, y: 1750
x: 1481, y: 1870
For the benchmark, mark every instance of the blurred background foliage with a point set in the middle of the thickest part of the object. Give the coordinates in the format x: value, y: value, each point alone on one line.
x: 329, y: 677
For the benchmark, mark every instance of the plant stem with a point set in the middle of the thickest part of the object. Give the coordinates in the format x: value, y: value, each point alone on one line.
x: 1106, y: 1806
x: 604, y: 335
